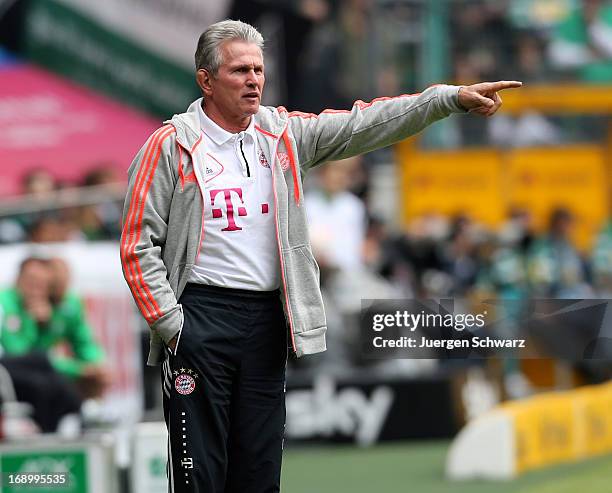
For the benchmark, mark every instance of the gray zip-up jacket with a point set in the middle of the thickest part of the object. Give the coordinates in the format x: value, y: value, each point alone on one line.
x: 163, y: 214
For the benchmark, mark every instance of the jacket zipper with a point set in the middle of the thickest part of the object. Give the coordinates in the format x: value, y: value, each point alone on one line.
x: 280, y: 250
x: 195, y: 172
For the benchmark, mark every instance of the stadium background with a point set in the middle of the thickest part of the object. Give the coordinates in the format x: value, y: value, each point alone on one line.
x: 513, y: 206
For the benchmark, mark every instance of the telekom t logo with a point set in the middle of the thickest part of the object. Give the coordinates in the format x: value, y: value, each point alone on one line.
x: 229, y: 207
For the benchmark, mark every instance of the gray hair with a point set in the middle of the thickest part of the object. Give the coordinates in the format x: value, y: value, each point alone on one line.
x: 208, y: 54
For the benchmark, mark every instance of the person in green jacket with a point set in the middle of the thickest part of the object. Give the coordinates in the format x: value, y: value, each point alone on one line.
x: 582, y: 42
x: 40, y: 314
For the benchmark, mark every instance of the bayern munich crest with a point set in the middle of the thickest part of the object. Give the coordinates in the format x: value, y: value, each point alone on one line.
x: 185, y: 382
x: 284, y: 160
x: 262, y: 160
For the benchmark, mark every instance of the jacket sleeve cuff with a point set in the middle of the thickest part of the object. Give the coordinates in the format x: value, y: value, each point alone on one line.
x: 169, y: 325
x: 449, y: 99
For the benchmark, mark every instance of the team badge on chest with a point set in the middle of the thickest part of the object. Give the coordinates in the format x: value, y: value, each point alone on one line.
x: 185, y: 381
x: 262, y: 160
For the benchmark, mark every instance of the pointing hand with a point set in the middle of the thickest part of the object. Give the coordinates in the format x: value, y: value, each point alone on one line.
x: 483, y: 98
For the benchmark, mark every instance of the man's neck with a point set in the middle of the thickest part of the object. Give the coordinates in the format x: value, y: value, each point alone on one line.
x: 226, y: 122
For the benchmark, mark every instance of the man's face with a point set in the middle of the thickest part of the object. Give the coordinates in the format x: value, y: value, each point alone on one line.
x: 34, y: 281
x: 237, y: 87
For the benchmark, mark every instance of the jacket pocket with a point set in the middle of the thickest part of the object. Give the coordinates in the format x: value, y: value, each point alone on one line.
x: 180, y: 332
x: 305, y: 250
x: 302, y: 280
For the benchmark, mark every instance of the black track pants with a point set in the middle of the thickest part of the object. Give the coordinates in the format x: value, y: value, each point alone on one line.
x: 224, y: 392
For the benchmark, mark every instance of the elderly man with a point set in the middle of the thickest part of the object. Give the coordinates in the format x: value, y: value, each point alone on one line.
x: 216, y: 253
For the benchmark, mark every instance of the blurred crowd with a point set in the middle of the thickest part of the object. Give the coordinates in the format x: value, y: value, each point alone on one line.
x: 533, y: 41
x: 45, y: 219
x: 336, y: 52
x: 434, y: 256
x: 360, y: 257
x: 438, y: 257
x: 333, y: 53
x: 431, y: 255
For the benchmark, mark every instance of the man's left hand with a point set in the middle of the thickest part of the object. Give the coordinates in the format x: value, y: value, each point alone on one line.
x: 94, y: 381
x: 483, y: 98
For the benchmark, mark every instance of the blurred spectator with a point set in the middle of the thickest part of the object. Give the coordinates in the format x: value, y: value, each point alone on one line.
x: 531, y: 62
x: 101, y: 221
x: 365, y: 47
x: 23, y: 309
x: 85, y: 364
x: 582, y: 42
x: 337, y: 218
x: 337, y: 223
x: 37, y: 184
x: 528, y: 130
x: 293, y: 21
x: 602, y: 261
x: 415, y: 263
x: 507, y: 274
x: 351, y: 56
x: 51, y: 228
x: 556, y: 269
x: 517, y: 231
x: 507, y: 277
x: 482, y: 38
x: 41, y: 315
x: 376, y: 246
x: 460, y: 255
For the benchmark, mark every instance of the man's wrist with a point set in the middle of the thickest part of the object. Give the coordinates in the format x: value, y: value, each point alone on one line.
x: 461, y: 88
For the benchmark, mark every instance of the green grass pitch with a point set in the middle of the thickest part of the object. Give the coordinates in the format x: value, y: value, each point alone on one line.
x: 419, y: 467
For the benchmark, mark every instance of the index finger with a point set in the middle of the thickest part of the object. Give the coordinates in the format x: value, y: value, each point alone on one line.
x: 504, y: 84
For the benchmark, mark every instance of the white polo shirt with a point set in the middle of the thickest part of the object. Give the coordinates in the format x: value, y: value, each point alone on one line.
x: 238, y: 247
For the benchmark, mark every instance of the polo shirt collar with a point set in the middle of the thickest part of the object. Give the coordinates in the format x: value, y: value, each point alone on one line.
x: 219, y: 135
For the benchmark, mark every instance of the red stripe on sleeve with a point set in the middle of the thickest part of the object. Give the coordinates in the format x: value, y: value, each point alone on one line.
x: 127, y: 235
x: 149, y: 179
x: 142, y: 295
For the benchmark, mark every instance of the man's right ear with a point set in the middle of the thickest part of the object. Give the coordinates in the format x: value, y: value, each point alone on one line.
x: 203, y: 78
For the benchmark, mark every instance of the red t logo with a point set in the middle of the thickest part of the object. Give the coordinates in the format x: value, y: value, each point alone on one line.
x: 229, y: 207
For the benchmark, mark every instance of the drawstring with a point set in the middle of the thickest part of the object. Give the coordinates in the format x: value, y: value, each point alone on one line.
x: 296, y: 186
